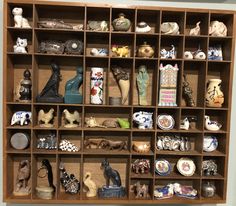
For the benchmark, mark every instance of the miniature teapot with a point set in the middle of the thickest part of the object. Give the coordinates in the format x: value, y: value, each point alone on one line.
x: 145, y: 50
x: 121, y: 23
x: 143, y: 119
x: 208, y: 189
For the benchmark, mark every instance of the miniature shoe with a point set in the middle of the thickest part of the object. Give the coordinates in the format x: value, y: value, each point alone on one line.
x: 199, y: 54
x: 188, y: 55
x: 211, y: 125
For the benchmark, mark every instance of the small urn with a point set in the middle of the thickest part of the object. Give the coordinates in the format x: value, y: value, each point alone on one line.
x: 145, y: 50
x: 121, y: 23
x: 208, y: 190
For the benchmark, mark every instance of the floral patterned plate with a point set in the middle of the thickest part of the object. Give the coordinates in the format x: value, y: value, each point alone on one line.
x: 186, y: 167
x: 165, y: 122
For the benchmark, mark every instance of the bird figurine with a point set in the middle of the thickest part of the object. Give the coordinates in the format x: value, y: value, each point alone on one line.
x: 70, y: 118
x: 45, y: 118
x: 185, y: 124
x: 211, y: 125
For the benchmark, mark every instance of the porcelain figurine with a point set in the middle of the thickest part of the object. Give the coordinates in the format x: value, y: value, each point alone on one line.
x: 185, y: 124
x: 164, y: 192
x: 90, y: 185
x: 71, y: 119
x: 22, y: 118
x: 208, y: 190
x: 141, y: 191
x: 72, y: 94
x: 45, y: 192
x: 143, y: 119
x: 188, y: 55
x: 22, y: 187
x: 120, y: 51
x: 209, y: 167
x: 50, y: 91
x: 214, y: 95
x: 185, y: 191
x: 188, y: 92
x: 74, y: 46
x: 20, y: 140
x: 143, y: 27
x: 20, y: 21
x: 170, y: 28
x: 141, y: 166
x: 111, y: 191
x: 145, y: 50
x: 59, y: 24
x: 91, y: 122
x: 99, y: 52
x: 67, y: 146
x: 196, y: 30
x: 98, y: 25
x: 51, y: 47
x: 123, y: 80
x: 48, y: 142
x: 212, y: 125
x: 111, y: 145
x: 199, y: 54
x: 142, y: 84
x: 141, y: 146
x: 121, y: 23
x: 217, y: 28
x: 210, y: 143
x: 124, y: 123
x: 215, y: 53
x: 96, y: 92
x: 69, y: 182
x: 171, y: 54
x: 90, y: 142
x: 109, y: 123
x: 21, y: 46
x: 44, y: 118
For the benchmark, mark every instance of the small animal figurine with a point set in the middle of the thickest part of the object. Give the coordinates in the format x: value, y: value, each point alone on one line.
x: 188, y: 55
x: 99, y: 52
x: 188, y: 92
x: 171, y: 54
x: 124, y: 123
x: 91, y: 122
x: 196, y: 30
x: 67, y: 146
x: 90, y: 141
x: 141, y: 166
x: 209, y: 167
x: 215, y: 53
x: 51, y: 47
x: 111, y: 145
x: 199, y: 54
x: 170, y: 28
x: 21, y: 46
x: 59, y: 24
x: 185, y: 124
x: 142, y: 84
x: 141, y: 190
x: 109, y: 123
x: 98, y: 25
x: 20, y: 21
x: 211, y: 125
x: 48, y: 142
x: 90, y: 185
x: 22, y: 118
x: 164, y: 192
x: 71, y: 118
x: 23, y: 175
x: 143, y: 119
x: 217, y: 28
x: 143, y: 27
x: 45, y: 118
x: 120, y: 51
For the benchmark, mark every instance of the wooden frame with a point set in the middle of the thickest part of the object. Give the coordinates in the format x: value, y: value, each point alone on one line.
x: 86, y: 159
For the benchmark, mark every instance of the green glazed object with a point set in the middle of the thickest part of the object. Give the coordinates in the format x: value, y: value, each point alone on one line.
x: 121, y: 23
x: 123, y: 123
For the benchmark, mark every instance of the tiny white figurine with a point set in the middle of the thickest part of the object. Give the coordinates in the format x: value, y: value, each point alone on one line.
x: 90, y: 184
x: 196, y: 30
x: 170, y: 28
x: 171, y: 54
x: 188, y: 55
x: 20, y: 21
x: 212, y: 125
x: 67, y: 146
x: 21, y: 117
x: 217, y: 28
x: 45, y: 118
x: 20, y: 46
x: 143, y: 27
x: 199, y: 54
x: 70, y: 118
x: 185, y: 124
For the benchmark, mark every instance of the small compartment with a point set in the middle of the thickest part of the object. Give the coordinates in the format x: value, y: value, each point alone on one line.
x: 98, y: 14
x: 70, y: 137
x: 106, y: 142
x: 122, y: 45
x: 219, y: 193
x: 12, y: 171
x: 120, y: 89
x: 213, y: 167
x: 221, y: 141
x: 70, y: 117
x: 90, y: 64
x: 71, y: 15
x: 192, y: 18
x: 151, y: 18
x: 171, y: 47
x: 72, y: 165
x: 151, y: 89
x: 97, y: 44
x: 141, y: 189
x: 195, y: 119
x: 142, y: 167
x: 194, y: 78
x: 27, y: 13
x: 38, y: 173
x: 174, y: 16
x: 118, y: 163
x: 48, y: 116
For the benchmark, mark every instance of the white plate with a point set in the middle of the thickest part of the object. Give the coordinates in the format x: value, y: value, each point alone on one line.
x: 165, y: 122
x: 186, y: 167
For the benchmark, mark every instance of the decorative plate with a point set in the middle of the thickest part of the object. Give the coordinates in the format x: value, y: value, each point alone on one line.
x: 186, y: 167
x: 165, y: 122
x: 210, y: 143
x: 162, y: 167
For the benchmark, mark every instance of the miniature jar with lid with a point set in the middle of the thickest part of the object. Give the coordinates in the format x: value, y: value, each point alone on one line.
x: 121, y: 23
x: 145, y: 50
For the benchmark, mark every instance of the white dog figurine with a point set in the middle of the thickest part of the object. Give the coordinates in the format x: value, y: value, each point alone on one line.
x: 20, y: 21
x: 20, y: 46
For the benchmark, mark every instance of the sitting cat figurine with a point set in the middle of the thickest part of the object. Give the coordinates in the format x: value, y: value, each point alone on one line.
x: 20, y: 46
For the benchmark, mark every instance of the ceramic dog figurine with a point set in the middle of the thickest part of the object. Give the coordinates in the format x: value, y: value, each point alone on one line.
x: 171, y: 54
x: 20, y: 46
x: 20, y: 21
x: 120, y: 51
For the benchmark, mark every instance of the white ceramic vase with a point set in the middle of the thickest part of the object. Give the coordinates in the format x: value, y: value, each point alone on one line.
x: 96, y: 92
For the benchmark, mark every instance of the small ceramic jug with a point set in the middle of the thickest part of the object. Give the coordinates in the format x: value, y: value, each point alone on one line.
x: 145, y: 50
x: 96, y: 93
x: 208, y: 190
x: 143, y: 119
x: 214, y: 95
x: 121, y: 23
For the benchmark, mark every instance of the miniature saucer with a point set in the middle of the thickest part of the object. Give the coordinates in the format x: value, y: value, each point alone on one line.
x: 162, y: 167
x: 210, y: 143
x: 165, y: 122
x: 186, y: 167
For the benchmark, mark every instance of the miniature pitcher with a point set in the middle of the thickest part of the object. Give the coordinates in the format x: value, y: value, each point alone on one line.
x: 96, y: 93
x: 214, y: 95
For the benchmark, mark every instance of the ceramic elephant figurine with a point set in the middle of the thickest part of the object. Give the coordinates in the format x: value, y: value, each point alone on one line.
x: 217, y: 28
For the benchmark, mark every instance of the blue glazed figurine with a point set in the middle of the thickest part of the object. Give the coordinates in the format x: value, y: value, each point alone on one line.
x: 72, y: 95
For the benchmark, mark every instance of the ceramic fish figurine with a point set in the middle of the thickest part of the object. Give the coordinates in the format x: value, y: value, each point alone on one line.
x: 59, y: 24
x: 196, y: 30
x: 212, y: 125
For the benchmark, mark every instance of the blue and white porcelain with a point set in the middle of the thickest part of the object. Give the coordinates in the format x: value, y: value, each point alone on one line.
x: 162, y: 167
x: 164, y: 192
x: 212, y: 125
x: 210, y: 143
x: 143, y: 119
x: 99, y: 52
x: 215, y: 53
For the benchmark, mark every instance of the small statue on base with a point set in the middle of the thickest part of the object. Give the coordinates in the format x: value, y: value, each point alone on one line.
x: 45, y: 117
x: 115, y: 190
x: 142, y: 83
x: 90, y: 184
x: 70, y: 118
x: 188, y: 93
x: 72, y: 95
x: 50, y: 91
x: 22, y: 188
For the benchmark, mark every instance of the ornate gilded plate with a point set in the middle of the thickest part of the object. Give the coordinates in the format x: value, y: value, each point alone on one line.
x: 165, y: 122
x: 186, y: 167
x: 162, y: 167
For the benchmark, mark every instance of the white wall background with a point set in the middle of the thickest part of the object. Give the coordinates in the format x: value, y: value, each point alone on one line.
x: 218, y: 4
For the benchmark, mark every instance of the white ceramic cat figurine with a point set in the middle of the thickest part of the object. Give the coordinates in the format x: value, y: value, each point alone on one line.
x: 20, y: 21
x: 20, y: 46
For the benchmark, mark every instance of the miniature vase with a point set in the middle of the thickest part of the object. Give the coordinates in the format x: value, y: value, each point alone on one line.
x: 142, y: 84
x: 96, y: 93
x: 145, y: 50
x: 214, y: 95
x: 121, y: 23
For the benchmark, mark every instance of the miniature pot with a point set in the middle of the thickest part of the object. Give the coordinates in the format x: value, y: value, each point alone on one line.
x: 121, y: 23
x: 145, y: 50
x: 208, y: 190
